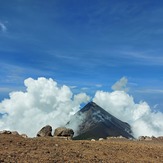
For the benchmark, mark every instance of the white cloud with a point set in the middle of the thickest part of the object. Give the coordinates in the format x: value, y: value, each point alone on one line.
x: 3, y: 27
x: 5, y: 89
x: 98, y: 85
x: 151, y: 91
x: 84, y: 88
x: 139, y: 115
x: 144, y: 57
x: 44, y: 102
x: 121, y: 84
x: 155, y: 106
x: 73, y: 86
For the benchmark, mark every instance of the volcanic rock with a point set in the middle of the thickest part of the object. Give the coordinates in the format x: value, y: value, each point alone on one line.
x: 148, y: 138
x: 160, y: 138
x: 24, y: 135
x: 45, y: 131
x: 14, y: 133
x: 97, y: 123
x: 63, y: 131
x: 5, y: 132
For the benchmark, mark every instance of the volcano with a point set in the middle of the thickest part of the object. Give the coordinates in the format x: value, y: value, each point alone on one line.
x: 93, y: 122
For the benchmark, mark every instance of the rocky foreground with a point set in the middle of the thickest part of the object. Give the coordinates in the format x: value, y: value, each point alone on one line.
x: 17, y: 149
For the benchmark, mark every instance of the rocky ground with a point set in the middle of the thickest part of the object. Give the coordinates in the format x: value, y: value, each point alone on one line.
x: 16, y: 149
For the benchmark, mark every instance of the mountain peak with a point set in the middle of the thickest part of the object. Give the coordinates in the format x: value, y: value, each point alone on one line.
x: 95, y: 122
x: 91, y: 106
x: 92, y: 103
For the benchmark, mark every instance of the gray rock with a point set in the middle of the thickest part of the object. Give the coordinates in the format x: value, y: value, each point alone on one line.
x: 160, y: 138
x: 45, y: 131
x: 153, y: 138
x: 148, y: 138
x: 100, y: 139
x: 24, y: 135
x: 58, y: 131
x: 14, y: 133
x: 5, y: 132
x: 140, y: 138
x: 63, y: 132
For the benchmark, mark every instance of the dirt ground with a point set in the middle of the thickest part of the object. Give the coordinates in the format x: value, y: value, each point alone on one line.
x: 15, y: 149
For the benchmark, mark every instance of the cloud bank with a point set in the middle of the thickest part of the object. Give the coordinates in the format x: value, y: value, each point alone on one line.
x: 139, y: 115
x: 45, y: 102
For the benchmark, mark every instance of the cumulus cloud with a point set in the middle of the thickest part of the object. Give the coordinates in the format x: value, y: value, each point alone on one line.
x: 139, y: 115
x: 121, y: 84
x: 3, y: 28
x: 43, y: 102
x: 75, y: 122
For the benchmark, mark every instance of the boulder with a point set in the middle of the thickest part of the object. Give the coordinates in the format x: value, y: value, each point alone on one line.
x: 14, y: 133
x: 140, y: 138
x: 160, y: 138
x: 100, y: 139
x: 24, y: 135
x: 45, y: 131
x: 63, y: 132
x: 153, y: 138
x: 148, y: 138
x: 5, y: 132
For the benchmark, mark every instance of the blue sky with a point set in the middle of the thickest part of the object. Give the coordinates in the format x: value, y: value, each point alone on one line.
x: 88, y: 45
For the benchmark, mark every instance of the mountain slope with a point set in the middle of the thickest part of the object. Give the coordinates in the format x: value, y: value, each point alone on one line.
x: 94, y: 122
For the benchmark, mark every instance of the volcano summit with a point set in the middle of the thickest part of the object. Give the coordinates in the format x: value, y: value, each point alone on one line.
x: 93, y: 122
